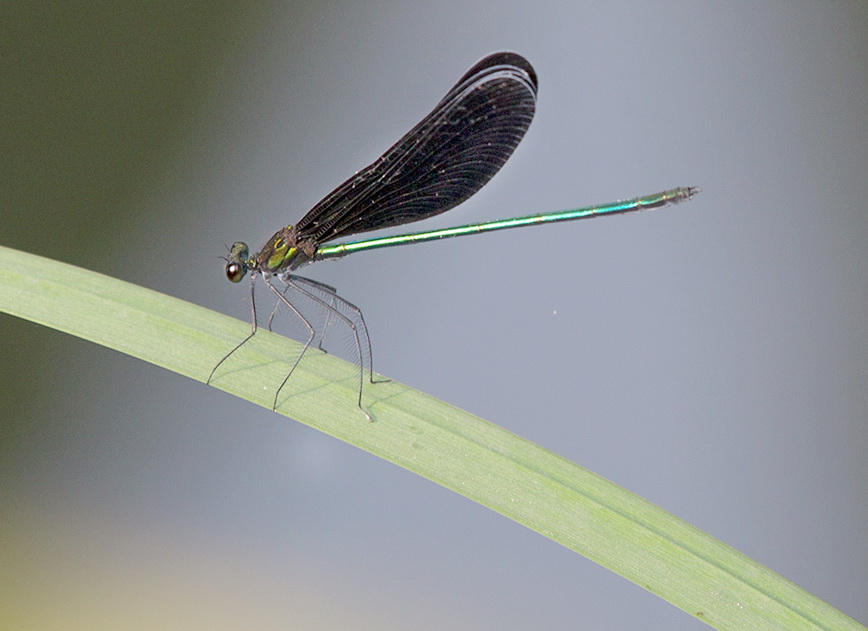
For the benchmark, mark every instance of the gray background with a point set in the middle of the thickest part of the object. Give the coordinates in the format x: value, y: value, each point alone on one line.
x: 712, y: 357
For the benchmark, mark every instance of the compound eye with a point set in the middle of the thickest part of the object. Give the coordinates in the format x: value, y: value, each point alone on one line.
x: 235, y: 271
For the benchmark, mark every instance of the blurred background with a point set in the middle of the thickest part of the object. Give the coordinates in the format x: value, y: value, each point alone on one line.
x: 711, y: 357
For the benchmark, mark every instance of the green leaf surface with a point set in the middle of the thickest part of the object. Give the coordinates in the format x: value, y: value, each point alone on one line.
x: 462, y: 452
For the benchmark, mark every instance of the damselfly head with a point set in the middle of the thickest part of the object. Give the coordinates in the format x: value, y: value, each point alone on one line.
x: 236, y: 264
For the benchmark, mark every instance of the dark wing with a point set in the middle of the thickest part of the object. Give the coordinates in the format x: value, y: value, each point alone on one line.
x: 442, y: 161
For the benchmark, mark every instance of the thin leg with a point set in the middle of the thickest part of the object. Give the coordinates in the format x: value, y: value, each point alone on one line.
x: 357, y: 317
x: 310, y: 330
x: 246, y: 339
x: 309, y: 288
x: 328, y: 289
